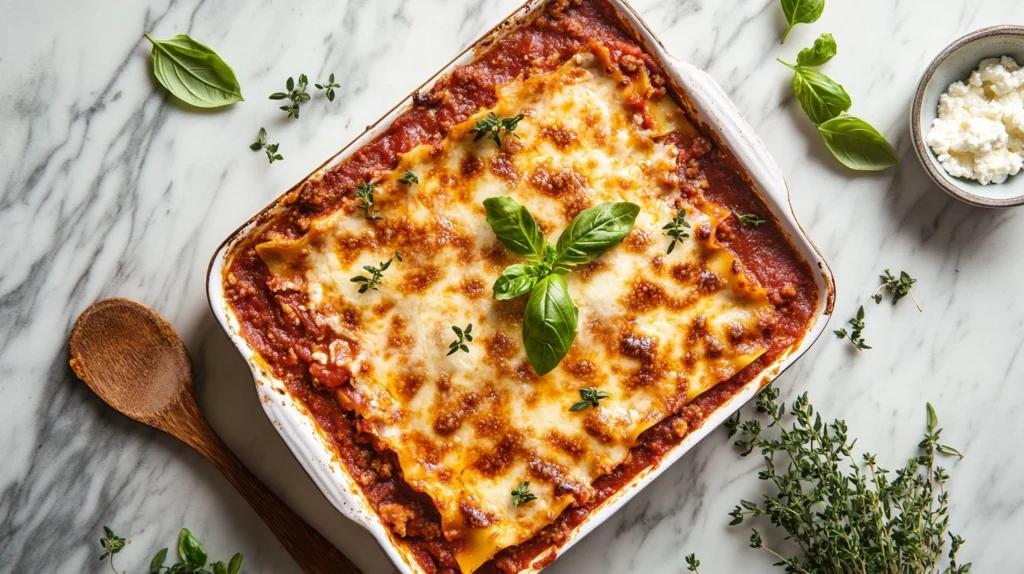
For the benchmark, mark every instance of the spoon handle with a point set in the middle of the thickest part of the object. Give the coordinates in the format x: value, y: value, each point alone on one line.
x: 313, y: 553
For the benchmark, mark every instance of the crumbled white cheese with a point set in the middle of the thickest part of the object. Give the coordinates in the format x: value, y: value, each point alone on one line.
x: 979, y: 133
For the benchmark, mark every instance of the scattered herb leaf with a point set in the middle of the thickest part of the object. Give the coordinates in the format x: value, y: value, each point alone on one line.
x: 409, y: 178
x: 590, y: 397
x: 858, y: 145
x: 492, y: 126
x: 269, y: 149
x: 845, y: 516
x: 522, y: 494
x: 692, y: 563
x: 856, y: 334
x: 111, y: 544
x: 193, y: 72
x: 329, y: 86
x: 464, y: 337
x: 750, y: 220
x: 675, y: 229
x: 295, y: 93
x: 801, y: 12
x: 365, y: 196
x: 820, y: 96
x: 823, y: 50
x: 376, y: 274
x: 900, y: 287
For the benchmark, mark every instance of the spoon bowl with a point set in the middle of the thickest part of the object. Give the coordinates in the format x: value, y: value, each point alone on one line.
x: 133, y: 359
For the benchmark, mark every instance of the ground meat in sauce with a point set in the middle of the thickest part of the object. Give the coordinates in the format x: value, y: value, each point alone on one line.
x: 276, y: 324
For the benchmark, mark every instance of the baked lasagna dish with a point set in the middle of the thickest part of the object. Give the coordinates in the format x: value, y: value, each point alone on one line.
x: 484, y: 420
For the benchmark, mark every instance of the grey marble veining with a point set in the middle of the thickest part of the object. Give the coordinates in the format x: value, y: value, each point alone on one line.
x: 107, y: 187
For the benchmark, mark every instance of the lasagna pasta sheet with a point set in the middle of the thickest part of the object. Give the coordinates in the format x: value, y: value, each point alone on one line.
x: 655, y: 329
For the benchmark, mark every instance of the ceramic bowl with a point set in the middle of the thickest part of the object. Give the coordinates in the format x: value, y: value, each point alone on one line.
x: 955, y: 63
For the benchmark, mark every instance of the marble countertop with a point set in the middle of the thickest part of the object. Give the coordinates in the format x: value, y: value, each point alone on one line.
x: 109, y: 188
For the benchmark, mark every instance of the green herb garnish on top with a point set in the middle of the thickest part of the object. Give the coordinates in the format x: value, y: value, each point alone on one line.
x: 522, y: 494
x: 409, y: 178
x: 589, y: 397
x: 749, y: 220
x: 365, y: 196
x: 676, y: 229
x: 494, y: 126
x: 376, y: 274
x: 549, y: 322
x: 464, y: 337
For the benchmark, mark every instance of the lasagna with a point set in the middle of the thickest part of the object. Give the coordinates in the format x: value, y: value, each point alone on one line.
x: 473, y: 461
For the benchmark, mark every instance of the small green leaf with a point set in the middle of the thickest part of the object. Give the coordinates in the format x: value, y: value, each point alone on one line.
x: 194, y: 73
x: 933, y: 419
x: 516, y: 280
x: 549, y: 323
x: 158, y: 561
x: 823, y: 50
x: 801, y: 12
x: 236, y: 560
x: 820, y: 97
x: 595, y: 231
x: 858, y: 145
x: 191, y: 550
x: 515, y: 227
x: 220, y: 568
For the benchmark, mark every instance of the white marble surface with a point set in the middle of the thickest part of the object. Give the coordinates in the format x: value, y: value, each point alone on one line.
x: 108, y: 188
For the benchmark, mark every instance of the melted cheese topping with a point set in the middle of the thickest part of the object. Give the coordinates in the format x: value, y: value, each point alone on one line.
x: 655, y: 329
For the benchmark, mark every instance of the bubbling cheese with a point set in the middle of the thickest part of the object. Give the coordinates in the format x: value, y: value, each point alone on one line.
x: 655, y: 330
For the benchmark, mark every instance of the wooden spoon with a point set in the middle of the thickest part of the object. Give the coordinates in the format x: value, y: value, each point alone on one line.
x: 134, y: 360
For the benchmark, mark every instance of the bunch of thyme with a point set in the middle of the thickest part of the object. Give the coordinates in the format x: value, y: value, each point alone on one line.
x: 846, y: 517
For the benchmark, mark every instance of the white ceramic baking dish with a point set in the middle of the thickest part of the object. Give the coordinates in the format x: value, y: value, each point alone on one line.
x: 711, y: 107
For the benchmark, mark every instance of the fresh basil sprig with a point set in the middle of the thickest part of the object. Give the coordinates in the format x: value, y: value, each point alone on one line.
x: 190, y: 549
x: 853, y: 141
x: 194, y: 73
x: 550, y: 319
x: 819, y: 95
x: 801, y: 12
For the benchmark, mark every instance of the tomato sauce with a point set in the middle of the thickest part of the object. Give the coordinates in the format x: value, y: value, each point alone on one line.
x: 284, y: 339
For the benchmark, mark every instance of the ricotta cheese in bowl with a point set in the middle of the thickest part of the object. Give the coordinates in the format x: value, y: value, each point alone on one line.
x: 979, y: 131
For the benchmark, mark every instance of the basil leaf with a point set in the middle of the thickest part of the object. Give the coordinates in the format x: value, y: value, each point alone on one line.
x: 220, y: 568
x: 158, y: 562
x: 801, y: 12
x: 821, y: 98
x: 191, y: 549
x: 595, y: 231
x: 515, y: 227
x: 824, y: 49
x: 549, y: 323
x: 517, y: 280
x: 194, y: 73
x: 235, y: 564
x: 857, y: 144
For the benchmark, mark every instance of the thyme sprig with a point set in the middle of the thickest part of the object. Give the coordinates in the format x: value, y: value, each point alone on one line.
x: 590, y: 398
x: 692, y: 563
x: 522, y: 494
x: 900, y: 287
x: 409, y: 178
x: 846, y: 516
x: 464, y: 337
x: 296, y: 94
x: 750, y: 220
x: 192, y: 554
x: 493, y: 126
x: 365, y: 196
x: 376, y: 274
x: 856, y: 333
x: 270, y: 149
x: 676, y: 229
x: 329, y: 86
